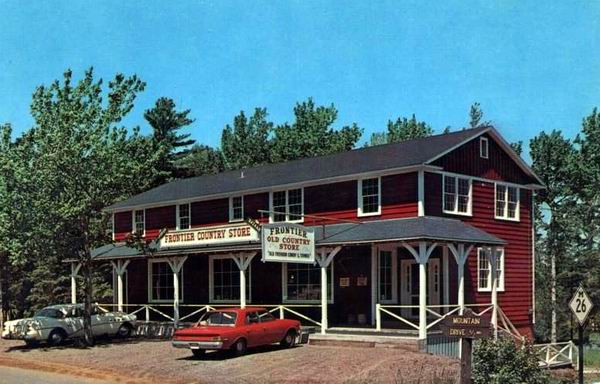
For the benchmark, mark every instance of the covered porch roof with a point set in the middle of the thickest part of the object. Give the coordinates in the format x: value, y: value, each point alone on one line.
x: 428, y: 228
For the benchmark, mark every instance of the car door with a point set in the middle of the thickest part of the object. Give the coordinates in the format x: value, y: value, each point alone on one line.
x: 273, y: 331
x: 99, y: 322
x: 74, y: 321
x: 255, y: 333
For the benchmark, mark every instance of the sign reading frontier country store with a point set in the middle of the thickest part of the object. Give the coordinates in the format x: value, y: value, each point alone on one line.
x: 226, y: 234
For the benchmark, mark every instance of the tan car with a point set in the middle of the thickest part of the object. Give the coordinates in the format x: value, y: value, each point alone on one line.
x: 57, y: 323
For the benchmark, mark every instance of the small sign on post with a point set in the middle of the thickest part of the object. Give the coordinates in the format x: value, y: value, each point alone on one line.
x: 581, y: 305
x: 467, y: 327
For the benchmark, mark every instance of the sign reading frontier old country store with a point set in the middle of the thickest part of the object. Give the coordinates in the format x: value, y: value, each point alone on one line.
x: 288, y: 243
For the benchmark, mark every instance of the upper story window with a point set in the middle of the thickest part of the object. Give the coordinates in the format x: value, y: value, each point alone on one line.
x: 236, y: 208
x: 484, y: 148
x: 369, y: 197
x: 457, y: 195
x: 507, y: 202
x: 485, y: 272
x: 287, y: 205
x: 183, y: 216
x: 139, y: 221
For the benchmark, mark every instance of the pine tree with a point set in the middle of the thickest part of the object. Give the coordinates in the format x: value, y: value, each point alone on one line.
x: 166, y: 123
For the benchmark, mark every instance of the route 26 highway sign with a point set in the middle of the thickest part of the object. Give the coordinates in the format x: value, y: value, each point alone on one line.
x: 581, y: 305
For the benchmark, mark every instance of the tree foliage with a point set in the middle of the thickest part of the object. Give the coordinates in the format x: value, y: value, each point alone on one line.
x: 247, y: 142
x: 401, y: 130
x: 503, y: 361
x: 166, y: 123
x: 312, y: 134
x: 75, y: 161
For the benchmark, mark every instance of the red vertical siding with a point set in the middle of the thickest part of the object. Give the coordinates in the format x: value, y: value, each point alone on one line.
x: 516, y: 300
x: 336, y: 200
x: 210, y: 212
x: 399, y: 195
x: 499, y: 166
x: 123, y: 225
x: 158, y: 219
x: 254, y: 203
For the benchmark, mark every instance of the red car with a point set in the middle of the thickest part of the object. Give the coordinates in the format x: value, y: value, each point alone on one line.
x: 236, y: 329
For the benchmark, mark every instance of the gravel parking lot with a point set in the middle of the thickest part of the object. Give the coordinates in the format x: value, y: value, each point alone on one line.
x: 142, y: 361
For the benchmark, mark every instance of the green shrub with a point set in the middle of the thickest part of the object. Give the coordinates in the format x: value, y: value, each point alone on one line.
x: 506, y: 362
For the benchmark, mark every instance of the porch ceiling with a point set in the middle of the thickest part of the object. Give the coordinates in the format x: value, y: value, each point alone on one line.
x: 429, y: 228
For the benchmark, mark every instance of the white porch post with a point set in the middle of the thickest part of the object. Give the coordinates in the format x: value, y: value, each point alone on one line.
x: 74, y: 272
x: 493, y: 268
x: 460, y: 255
x: 176, y: 264
x: 324, y: 258
x: 120, y: 267
x: 422, y: 256
x: 243, y: 261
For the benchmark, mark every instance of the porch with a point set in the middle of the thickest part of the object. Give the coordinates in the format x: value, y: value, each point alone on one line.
x: 395, y: 278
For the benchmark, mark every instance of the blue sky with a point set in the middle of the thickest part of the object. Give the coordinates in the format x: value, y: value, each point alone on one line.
x: 532, y: 65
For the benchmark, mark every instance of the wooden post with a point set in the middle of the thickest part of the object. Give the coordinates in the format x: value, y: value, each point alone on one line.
x: 243, y: 261
x: 120, y: 268
x: 466, y: 345
x: 493, y: 267
x: 324, y: 259
x: 580, y: 358
x: 74, y: 272
x: 176, y: 265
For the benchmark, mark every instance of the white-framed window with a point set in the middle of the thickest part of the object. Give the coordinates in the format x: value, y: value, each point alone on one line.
x: 160, y: 282
x: 507, y: 202
x: 369, y: 196
x: 236, y: 208
x: 457, y: 192
x: 388, y: 276
x: 139, y: 221
x: 224, y: 280
x: 302, y: 283
x: 287, y: 205
x: 110, y: 225
x: 484, y: 271
x: 184, y: 216
x: 484, y: 148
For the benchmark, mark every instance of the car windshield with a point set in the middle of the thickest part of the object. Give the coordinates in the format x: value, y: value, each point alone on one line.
x: 50, y: 312
x: 219, y: 318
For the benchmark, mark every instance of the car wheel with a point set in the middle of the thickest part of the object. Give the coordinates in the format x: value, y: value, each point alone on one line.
x: 124, y: 331
x: 57, y: 337
x: 198, y: 352
x: 239, y: 348
x: 289, y: 340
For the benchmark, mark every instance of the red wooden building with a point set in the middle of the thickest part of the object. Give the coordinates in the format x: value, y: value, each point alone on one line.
x: 405, y: 233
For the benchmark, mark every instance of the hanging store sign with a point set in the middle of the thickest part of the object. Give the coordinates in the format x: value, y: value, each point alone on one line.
x: 288, y: 243
x: 467, y: 325
x: 227, y: 234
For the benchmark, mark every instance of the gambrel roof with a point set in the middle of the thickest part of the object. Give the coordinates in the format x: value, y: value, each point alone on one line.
x: 388, y: 157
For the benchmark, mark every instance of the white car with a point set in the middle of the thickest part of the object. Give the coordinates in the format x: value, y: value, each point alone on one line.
x: 57, y: 323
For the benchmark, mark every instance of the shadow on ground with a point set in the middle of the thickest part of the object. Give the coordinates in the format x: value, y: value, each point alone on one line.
x: 100, y: 342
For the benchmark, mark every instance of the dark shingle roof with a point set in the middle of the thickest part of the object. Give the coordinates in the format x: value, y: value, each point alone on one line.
x: 417, y: 228
x: 377, y: 158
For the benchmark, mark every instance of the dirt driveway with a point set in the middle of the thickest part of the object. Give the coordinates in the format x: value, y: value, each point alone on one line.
x: 138, y: 361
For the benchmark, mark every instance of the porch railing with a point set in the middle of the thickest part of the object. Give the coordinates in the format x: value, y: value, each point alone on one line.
x: 436, y: 313
x: 554, y: 355
x: 280, y: 310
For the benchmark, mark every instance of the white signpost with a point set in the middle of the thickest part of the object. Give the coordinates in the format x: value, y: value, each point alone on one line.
x: 581, y: 305
x: 288, y: 243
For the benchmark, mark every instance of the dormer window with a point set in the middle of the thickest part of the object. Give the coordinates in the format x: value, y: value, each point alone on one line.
x: 484, y: 148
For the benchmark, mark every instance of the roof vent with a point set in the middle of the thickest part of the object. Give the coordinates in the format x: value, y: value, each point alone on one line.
x: 241, y: 174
